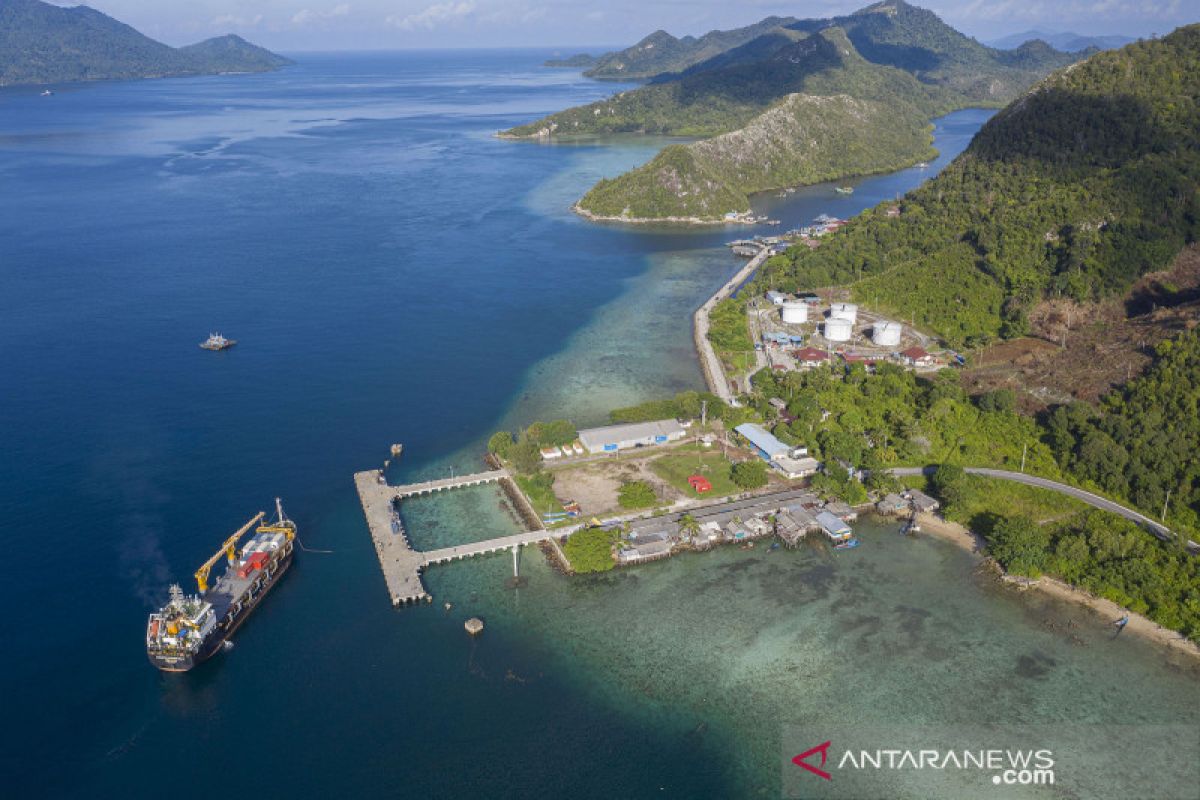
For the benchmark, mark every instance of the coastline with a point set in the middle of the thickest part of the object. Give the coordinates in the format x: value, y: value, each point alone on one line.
x: 699, y: 221
x: 1138, y: 625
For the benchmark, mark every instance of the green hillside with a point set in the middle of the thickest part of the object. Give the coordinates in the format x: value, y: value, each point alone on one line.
x: 1075, y: 190
x: 889, y: 53
x: 43, y: 43
x: 803, y: 139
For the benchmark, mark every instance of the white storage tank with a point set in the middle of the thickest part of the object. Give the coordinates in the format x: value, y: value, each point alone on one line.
x: 886, y: 334
x: 838, y: 330
x: 794, y: 312
x: 846, y: 311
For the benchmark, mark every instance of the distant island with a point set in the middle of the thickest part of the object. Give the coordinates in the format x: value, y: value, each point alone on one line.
x: 574, y: 62
x: 1067, y: 42
x: 42, y: 43
x: 789, y: 102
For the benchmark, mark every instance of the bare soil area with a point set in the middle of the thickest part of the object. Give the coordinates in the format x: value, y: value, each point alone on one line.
x: 1081, y: 351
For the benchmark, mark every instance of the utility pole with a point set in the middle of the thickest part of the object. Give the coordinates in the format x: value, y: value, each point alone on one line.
x: 1163, y: 516
x: 703, y: 413
x: 1024, y: 449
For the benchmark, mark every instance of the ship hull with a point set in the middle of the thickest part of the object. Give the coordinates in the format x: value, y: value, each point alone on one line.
x: 225, y: 628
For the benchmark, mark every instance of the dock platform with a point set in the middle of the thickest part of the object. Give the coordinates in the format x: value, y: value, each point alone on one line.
x: 401, y: 564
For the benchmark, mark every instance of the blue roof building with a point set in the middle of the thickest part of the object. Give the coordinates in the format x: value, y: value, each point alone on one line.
x: 764, y: 442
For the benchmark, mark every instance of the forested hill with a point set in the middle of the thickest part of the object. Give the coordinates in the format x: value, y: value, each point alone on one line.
x: 891, y: 53
x: 660, y: 52
x: 721, y: 92
x: 843, y: 116
x: 1075, y: 189
x: 42, y: 43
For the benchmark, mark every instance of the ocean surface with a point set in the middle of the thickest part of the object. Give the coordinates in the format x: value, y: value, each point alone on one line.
x: 394, y: 273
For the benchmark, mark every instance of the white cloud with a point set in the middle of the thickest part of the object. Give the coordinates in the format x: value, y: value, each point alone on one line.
x: 305, y: 15
x: 434, y: 16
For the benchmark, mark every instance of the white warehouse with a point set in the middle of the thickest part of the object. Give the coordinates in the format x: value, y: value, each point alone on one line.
x: 612, y: 438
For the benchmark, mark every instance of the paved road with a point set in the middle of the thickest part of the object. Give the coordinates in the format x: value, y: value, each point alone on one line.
x: 714, y: 373
x: 1094, y: 500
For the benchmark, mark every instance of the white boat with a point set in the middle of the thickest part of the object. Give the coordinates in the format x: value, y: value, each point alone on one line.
x: 216, y: 341
x: 46, y: 93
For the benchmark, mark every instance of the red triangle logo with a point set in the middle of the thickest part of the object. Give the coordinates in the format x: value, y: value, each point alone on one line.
x: 823, y: 749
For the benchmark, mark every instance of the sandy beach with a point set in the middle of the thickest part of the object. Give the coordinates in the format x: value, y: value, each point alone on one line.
x: 1138, y: 625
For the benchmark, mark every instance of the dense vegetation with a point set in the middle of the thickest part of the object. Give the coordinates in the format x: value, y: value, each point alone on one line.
x: 43, y: 43
x: 590, y: 550
x: 804, y: 139
x: 524, y: 450
x: 882, y: 72
x: 1102, y: 553
x: 1075, y: 190
x: 749, y: 474
x: 1143, y: 441
x: 685, y: 405
x: 636, y: 494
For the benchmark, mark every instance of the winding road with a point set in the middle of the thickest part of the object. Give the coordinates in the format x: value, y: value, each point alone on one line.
x: 1094, y: 500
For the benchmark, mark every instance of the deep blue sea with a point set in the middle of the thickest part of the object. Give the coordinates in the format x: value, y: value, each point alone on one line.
x: 394, y: 273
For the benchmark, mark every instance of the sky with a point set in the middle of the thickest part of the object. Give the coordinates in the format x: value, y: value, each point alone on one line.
x: 296, y: 25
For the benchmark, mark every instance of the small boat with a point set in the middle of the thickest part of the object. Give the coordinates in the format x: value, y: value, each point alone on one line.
x: 216, y: 341
x: 849, y: 544
x: 844, y: 190
x: 1122, y: 622
x: 922, y: 165
x: 46, y: 92
x: 774, y: 546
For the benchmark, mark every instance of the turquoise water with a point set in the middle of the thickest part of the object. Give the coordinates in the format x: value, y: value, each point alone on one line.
x: 395, y: 273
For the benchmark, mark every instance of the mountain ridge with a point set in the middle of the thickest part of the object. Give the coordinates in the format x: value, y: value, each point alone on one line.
x: 42, y: 43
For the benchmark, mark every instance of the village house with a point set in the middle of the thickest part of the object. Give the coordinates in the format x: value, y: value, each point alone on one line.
x: 917, y: 357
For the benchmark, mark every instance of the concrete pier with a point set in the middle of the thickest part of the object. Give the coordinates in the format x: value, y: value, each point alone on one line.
x: 401, y: 564
x: 710, y: 362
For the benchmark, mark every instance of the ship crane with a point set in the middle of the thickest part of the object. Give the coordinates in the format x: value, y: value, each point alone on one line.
x: 228, y: 549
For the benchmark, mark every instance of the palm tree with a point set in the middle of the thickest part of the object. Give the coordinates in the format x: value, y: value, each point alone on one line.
x: 689, y: 525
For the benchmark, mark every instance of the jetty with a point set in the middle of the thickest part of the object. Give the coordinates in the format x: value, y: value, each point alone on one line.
x: 401, y: 563
x: 710, y: 362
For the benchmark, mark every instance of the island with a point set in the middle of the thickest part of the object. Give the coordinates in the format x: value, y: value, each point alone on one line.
x: 784, y: 103
x: 42, y: 44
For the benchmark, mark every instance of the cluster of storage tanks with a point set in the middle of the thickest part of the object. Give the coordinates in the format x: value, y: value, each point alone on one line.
x: 839, y: 327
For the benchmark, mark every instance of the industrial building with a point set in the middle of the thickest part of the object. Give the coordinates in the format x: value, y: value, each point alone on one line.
x: 763, y: 441
x: 612, y: 438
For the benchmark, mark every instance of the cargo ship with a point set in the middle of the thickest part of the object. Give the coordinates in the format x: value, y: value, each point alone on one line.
x: 190, y: 629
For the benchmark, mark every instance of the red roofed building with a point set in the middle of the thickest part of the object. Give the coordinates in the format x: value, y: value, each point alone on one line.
x: 810, y: 356
x: 917, y: 357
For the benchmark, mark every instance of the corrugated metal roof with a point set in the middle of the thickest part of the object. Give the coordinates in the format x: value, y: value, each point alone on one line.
x: 762, y: 439
x: 612, y: 434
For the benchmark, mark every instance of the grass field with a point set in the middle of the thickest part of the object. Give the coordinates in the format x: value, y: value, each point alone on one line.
x: 542, y: 498
x: 990, y: 498
x: 676, y: 468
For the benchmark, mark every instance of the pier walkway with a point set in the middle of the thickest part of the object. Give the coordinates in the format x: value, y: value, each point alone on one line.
x: 401, y: 564
x: 710, y: 363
